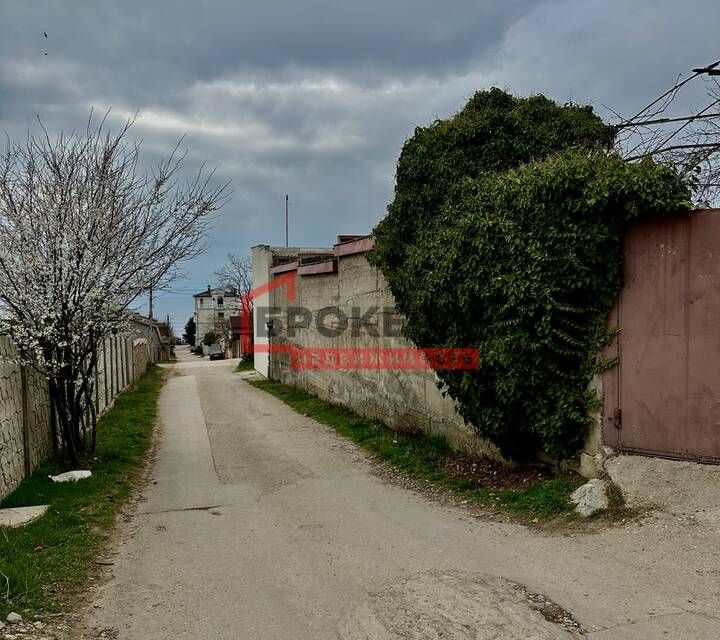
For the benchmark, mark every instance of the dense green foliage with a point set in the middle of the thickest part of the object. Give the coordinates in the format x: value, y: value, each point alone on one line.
x: 505, y: 234
x: 45, y: 561
x: 189, y: 334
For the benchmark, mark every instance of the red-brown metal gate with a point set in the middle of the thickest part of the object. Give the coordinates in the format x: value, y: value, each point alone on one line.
x: 664, y: 396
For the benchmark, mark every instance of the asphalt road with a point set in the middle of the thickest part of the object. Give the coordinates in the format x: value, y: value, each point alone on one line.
x: 260, y: 524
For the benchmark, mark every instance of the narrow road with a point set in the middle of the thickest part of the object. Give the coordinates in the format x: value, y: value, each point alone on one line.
x: 261, y: 524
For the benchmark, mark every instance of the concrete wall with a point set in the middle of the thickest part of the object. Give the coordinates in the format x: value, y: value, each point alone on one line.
x: 262, y: 258
x: 405, y: 400
x: 140, y: 357
x: 143, y: 329
x: 25, y: 431
x: 116, y: 370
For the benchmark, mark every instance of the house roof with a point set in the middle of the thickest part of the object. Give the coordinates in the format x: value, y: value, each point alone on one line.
x: 138, y: 318
x: 217, y: 291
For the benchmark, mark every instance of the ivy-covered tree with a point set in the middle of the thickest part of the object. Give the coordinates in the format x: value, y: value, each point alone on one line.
x: 505, y: 234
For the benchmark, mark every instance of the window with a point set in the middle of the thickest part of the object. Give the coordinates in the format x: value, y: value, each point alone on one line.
x: 220, y: 302
x: 201, y: 301
x: 221, y: 315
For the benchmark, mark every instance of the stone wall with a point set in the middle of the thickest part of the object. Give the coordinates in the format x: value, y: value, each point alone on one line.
x: 25, y: 439
x: 25, y: 431
x: 405, y: 400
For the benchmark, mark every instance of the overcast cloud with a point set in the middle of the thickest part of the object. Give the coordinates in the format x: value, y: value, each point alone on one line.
x: 315, y: 97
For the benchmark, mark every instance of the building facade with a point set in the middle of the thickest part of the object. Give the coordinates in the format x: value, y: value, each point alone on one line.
x: 213, y: 309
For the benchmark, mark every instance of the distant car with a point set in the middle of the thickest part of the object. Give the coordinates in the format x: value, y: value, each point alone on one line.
x: 216, y: 353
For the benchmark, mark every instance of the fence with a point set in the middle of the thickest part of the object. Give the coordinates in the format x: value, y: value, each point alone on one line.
x: 25, y: 421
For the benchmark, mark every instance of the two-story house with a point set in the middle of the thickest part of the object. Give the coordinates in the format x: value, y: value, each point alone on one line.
x: 213, y: 308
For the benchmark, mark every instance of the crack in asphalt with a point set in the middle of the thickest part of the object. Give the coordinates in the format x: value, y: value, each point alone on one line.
x: 212, y: 506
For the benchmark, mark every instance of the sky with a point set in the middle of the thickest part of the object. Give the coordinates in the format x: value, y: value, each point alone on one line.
x: 314, y: 98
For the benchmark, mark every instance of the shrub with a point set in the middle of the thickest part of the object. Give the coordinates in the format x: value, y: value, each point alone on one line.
x: 210, y: 338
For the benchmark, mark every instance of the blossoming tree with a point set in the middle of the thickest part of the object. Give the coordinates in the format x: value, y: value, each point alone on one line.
x: 84, y: 231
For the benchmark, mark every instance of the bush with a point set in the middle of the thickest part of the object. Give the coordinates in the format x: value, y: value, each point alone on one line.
x: 505, y: 234
x: 210, y: 338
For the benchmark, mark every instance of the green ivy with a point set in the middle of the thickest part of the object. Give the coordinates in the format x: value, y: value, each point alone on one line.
x: 505, y: 234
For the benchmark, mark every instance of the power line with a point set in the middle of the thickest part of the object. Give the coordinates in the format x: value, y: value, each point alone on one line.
x: 678, y: 85
x: 701, y: 116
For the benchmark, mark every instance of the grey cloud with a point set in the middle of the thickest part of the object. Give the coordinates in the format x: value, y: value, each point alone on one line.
x: 315, y: 97
x: 162, y: 44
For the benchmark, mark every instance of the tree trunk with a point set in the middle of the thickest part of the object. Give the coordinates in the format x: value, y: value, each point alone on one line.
x: 58, y: 396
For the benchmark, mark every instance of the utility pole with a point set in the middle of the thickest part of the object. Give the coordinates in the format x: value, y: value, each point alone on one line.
x: 287, y: 244
x: 150, y: 306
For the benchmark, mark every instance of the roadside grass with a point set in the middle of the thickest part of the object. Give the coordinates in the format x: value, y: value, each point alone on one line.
x: 245, y: 365
x: 430, y: 458
x: 44, y: 562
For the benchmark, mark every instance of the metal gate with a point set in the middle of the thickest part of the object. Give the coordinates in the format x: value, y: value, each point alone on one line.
x: 664, y: 396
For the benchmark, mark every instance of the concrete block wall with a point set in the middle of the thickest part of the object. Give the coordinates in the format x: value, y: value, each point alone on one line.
x: 405, y: 400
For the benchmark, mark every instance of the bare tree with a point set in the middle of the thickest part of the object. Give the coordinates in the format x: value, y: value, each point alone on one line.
x: 223, y: 333
x: 689, y: 141
x: 84, y: 232
x: 236, y: 274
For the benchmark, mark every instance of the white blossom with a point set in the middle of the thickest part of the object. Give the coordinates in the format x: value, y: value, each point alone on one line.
x: 83, y: 233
